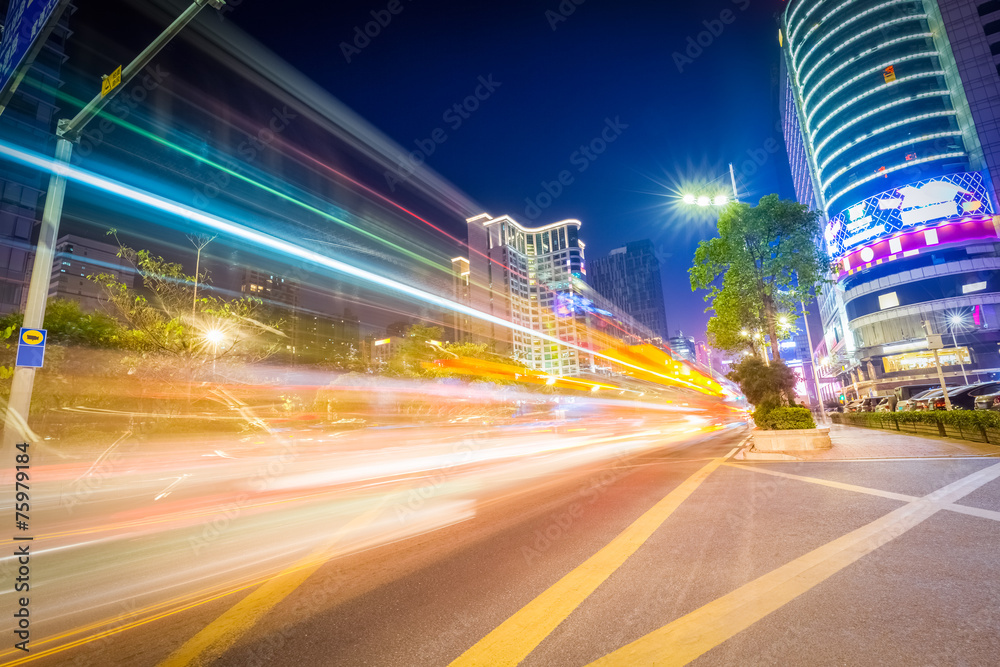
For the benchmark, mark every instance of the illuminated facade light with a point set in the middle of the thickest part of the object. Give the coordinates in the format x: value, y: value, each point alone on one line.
x: 867, y: 73
x: 848, y: 63
x: 888, y: 149
x: 880, y: 130
x: 870, y: 92
x: 888, y: 170
x: 840, y: 26
x: 895, y: 103
x: 805, y: 76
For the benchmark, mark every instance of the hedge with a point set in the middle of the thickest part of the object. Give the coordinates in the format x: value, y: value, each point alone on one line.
x: 974, y: 425
x: 781, y: 419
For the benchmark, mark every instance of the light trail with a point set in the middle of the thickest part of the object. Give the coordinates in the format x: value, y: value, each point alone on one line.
x: 291, y: 250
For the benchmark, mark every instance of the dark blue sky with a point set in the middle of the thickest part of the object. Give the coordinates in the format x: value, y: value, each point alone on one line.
x: 558, y: 88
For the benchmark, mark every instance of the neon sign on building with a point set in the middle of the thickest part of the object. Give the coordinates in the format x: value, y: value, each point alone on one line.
x: 930, y: 202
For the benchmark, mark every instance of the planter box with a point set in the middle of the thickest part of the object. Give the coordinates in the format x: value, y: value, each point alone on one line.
x: 792, y: 440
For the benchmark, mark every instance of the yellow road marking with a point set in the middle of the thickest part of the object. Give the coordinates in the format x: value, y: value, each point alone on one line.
x: 512, y: 641
x: 690, y: 636
x: 216, y: 637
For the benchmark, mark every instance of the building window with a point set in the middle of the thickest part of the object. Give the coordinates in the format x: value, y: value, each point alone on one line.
x: 889, y: 300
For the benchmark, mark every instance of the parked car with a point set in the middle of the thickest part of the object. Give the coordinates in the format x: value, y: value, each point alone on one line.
x: 912, y: 390
x: 964, y: 398
x: 914, y: 404
x: 866, y: 404
x: 988, y: 402
x: 853, y: 406
x: 887, y: 404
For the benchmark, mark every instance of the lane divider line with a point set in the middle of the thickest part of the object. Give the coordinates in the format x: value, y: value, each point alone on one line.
x: 512, y: 641
x: 218, y: 636
x: 696, y: 633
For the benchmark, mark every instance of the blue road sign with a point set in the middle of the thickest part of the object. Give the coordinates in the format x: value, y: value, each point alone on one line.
x: 28, y: 25
x: 31, y: 348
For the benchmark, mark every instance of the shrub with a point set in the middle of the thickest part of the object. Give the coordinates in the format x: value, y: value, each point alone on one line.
x: 783, y: 419
x: 964, y: 418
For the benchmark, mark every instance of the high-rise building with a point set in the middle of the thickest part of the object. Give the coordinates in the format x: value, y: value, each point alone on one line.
x: 630, y: 278
x: 76, y: 259
x: 891, y: 109
x: 534, y: 278
x: 683, y: 346
x: 516, y: 273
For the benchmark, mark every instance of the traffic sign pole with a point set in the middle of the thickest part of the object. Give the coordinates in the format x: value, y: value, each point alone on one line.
x: 68, y: 131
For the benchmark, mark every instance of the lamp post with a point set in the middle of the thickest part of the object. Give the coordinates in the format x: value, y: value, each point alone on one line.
x: 954, y: 322
x: 934, y: 343
x: 68, y: 132
x: 215, y: 337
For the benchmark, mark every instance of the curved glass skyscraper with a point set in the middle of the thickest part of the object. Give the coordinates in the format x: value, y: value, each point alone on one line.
x: 892, y: 134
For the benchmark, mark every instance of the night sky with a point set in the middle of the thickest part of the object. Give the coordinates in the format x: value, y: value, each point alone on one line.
x: 562, y: 76
x: 559, y: 76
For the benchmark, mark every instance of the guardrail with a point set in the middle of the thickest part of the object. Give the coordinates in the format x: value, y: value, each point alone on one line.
x: 971, y: 425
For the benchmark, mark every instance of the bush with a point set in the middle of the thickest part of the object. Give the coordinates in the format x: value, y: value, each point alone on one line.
x: 964, y: 418
x: 783, y: 419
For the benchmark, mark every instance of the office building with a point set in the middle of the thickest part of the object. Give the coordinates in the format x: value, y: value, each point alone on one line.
x: 683, y: 346
x: 76, y: 259
x: 891, y: 109
x: 534, y: 277
x: 629, y: 277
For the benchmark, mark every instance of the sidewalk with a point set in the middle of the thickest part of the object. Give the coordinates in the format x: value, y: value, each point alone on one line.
x: 854, y: 442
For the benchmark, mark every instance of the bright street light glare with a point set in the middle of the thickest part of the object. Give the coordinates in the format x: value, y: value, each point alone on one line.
x: 956, y: 319
x: 689, y: 199
x: 720, y: 200
x: 214, y: 336
x: 704, y: 201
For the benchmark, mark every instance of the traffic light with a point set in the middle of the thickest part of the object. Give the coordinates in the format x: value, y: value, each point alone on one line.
x: 843, y: 398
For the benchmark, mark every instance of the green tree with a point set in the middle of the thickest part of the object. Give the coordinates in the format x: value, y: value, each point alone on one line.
x: 158, y: 317
x: 765, y: 260
x: 415, y: 350
x: 765, y: 386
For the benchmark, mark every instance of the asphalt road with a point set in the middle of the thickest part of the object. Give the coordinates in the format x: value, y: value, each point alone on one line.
x: 671, y: 556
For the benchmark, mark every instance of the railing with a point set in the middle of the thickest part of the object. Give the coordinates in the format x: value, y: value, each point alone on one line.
x: 971, y: 425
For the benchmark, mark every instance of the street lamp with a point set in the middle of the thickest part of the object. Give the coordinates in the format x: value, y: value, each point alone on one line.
x: 958, y: 321
x: 215, y: 337
x: 717, y: 200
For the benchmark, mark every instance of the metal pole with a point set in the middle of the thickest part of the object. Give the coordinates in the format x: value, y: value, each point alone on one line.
x: 940, y: 373
x: 194, y: 300
x: 732, y: 177
x: 23, y: 380
x: 812, y: 364
x: 68, y: 132
x: 959, y: 354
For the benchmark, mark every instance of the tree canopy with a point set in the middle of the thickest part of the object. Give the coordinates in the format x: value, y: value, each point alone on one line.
x: 765, y: 260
